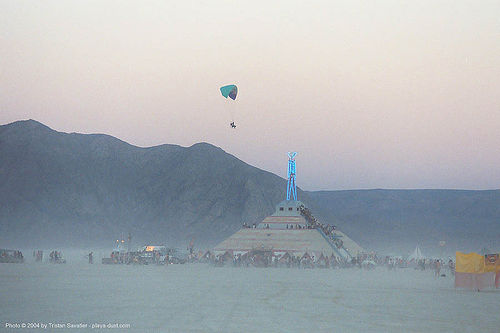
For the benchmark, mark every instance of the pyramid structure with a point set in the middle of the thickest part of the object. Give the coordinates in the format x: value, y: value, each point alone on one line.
x: 288, y: 231
x: 292, y: 231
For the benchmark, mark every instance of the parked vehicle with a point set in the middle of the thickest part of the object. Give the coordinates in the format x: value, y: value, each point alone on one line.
x: 153, y: 254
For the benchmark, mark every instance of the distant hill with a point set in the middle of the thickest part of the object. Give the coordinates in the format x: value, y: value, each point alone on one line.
x: 391, y: 220
x: 77, y: 189
x: 60, y: 189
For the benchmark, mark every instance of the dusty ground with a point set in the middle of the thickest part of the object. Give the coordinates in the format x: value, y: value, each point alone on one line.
x: 201, y: 298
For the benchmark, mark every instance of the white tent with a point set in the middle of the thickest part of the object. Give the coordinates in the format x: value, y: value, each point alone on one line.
x: 416, y: 255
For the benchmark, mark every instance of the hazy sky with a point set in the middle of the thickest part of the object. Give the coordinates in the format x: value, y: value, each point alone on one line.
x: 371, y: 94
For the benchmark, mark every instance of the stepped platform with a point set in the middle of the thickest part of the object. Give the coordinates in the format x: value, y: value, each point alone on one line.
x: 290, y: 231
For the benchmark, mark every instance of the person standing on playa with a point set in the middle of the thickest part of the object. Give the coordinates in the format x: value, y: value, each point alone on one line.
x: 497, y: 274
x: 438, y: 268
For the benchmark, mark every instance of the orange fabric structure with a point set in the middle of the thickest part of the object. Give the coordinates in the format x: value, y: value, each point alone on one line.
x: 475, y: 271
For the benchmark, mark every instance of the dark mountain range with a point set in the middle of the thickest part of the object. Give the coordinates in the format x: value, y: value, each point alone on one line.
x: 392, y: 220
x: 76, y: 189
x: 60, y: 189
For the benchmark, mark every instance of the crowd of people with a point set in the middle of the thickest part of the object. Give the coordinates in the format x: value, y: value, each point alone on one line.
x: 38, y: 255
x: 438, y: 266
x: 263, y: 258
x: 266, y: 258
x: 56, y: 257
x: 11, y: 256
x: 327, y: 229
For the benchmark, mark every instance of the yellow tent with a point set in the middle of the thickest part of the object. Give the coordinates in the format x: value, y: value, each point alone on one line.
x: 476, y: 271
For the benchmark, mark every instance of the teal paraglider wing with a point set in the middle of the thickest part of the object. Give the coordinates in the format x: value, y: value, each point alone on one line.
x: 229, y: 91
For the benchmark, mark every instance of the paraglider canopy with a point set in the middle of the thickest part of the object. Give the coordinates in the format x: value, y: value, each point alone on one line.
x: 230, y: 90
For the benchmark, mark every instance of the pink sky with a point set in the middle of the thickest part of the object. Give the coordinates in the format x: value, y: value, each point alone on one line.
x: 371, y: 94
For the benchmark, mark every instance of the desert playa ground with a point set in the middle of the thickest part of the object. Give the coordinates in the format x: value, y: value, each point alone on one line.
x: 202, y: 298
